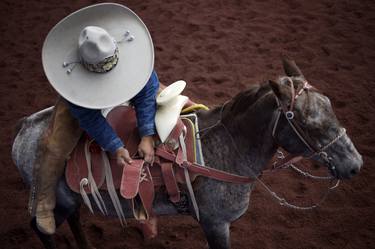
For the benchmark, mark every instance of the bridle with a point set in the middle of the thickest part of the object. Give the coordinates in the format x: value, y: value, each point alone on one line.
x: 290, y: 159
x: 288, y: 113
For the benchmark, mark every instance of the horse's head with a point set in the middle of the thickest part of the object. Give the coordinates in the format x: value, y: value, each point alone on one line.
x: 307, y: 125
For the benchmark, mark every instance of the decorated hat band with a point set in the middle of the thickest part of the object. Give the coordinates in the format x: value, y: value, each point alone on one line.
x: 98, y: 51
x: 103, y: 66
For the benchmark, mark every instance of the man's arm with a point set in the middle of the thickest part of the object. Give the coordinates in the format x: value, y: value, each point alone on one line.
x: 145, y: 106
x: 97, y: 127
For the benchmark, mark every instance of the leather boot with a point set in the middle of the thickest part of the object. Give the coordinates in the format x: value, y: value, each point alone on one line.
x: 57, y: 143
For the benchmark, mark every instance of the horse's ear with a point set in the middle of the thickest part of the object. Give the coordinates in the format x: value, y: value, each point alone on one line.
x: 291, y: 69
x: 280, y: 90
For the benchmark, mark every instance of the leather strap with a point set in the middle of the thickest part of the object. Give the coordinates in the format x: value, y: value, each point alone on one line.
x: 163, y: 153
x: 170, y: 181
x: 205, y: 171
x: 146, y: 194
x: 131, y: 177
x: 289, y: 116
x: 172, y: 139
x: 216, y: 174
x: 289, y: 159
x: 296, y: 127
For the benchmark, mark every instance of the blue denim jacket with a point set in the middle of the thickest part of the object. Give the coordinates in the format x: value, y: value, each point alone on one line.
x: 97, y: 127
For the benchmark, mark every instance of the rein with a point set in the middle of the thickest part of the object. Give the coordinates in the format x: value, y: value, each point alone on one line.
x: 290, y: 159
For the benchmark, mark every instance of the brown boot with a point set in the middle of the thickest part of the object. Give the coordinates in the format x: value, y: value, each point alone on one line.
x: 57, y: 143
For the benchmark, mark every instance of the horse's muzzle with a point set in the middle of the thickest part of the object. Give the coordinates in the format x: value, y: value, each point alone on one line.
x: 349, y: 168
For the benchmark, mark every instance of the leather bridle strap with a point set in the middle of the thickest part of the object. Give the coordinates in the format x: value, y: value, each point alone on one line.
x: 289, y: 115
x: 286, y: 161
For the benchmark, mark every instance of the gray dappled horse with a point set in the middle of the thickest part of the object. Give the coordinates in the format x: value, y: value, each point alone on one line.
x: 247, y: 136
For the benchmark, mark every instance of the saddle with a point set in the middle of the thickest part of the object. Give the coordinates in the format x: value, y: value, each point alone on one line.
x: 179, y: 160
x: 86, y: 168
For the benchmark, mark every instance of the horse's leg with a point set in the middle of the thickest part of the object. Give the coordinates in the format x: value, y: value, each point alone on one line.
x: 67, y: 208
x: 76, y: 228
x: 47, y: 240
x: 217, y: 234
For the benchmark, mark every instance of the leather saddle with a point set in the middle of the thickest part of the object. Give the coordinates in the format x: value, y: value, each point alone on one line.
x: 123, y: 121
x: 138, y: 179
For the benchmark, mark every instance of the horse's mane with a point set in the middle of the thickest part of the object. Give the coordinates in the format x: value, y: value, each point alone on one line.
x: 243, y: 100
x: 249, y: 97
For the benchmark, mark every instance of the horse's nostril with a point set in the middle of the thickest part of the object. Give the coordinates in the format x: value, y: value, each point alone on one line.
x: 353, y: 172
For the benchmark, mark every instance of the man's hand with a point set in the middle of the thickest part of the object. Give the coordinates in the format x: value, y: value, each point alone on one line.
x: 146, y: 149
x: 122, y: 156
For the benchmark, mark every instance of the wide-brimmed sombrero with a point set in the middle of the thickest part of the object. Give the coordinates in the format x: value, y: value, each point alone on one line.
x: 99, y: 56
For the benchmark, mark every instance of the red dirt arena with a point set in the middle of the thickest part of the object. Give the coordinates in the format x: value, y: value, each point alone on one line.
x: 219, y: 48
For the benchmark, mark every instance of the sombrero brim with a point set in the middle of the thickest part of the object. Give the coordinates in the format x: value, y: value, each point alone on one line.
x: 99, y: 90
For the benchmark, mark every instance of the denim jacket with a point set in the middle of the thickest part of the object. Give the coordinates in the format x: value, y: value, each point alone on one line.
x: 97, y: 127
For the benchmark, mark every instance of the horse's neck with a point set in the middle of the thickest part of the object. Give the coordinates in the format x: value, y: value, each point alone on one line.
x: 244, y: 144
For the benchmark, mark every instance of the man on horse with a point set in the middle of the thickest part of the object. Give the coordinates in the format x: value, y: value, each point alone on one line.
x: 111, y: 64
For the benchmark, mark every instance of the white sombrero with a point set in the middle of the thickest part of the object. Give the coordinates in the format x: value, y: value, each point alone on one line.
x: 99, y: 56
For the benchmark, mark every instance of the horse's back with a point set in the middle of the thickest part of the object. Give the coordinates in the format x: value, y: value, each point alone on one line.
x: 25, y: 144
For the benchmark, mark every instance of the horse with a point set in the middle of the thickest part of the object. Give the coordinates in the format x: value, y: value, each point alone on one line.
x: 240, y: 137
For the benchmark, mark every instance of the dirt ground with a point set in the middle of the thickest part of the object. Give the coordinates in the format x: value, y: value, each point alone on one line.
x: 219, y: 48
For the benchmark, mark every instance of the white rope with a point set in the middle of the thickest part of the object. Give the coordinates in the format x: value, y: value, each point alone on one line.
x: 280, y: 156
x: 112, y: 190
x: 342, y: 133
x: 307, y: 174
x: 91, y: 181
x: 84, y: 182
